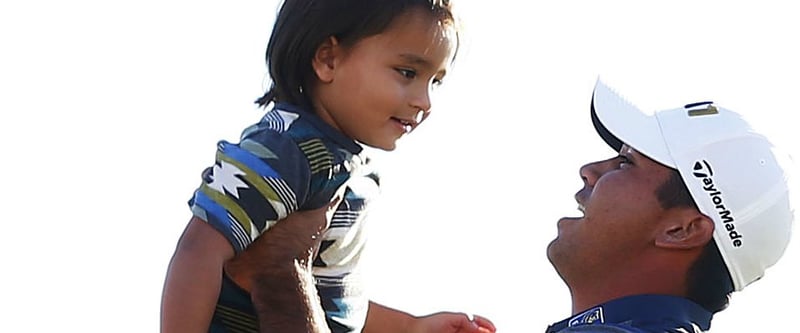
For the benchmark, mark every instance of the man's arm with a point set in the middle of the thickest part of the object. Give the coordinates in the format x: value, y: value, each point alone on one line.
x: 286, y: 301
x: 276, y: 270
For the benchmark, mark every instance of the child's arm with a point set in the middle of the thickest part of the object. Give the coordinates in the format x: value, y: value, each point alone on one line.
x: 250, y: 186
x: 193, y: 279
x: 382, y: 319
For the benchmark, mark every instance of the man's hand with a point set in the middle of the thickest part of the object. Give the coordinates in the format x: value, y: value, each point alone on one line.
x: 289, y: 244
x: 276, y: 270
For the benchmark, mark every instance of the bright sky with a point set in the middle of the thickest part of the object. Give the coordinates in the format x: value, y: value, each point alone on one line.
x: 110, y: 111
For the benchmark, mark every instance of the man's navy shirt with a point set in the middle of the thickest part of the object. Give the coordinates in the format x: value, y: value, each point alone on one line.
x: 639, y: 314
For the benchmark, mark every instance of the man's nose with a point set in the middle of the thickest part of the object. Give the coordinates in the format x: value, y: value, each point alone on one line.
x: 591, y: 172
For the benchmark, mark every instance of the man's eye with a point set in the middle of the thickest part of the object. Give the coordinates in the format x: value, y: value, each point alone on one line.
x: 624, y: 160
x: 407, y: 73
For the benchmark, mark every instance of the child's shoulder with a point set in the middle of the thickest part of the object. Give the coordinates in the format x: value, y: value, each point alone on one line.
x: 282, y: 123
x: 286, y: 124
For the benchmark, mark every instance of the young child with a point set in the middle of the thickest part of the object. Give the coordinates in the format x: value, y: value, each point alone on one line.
x: 344, y: 73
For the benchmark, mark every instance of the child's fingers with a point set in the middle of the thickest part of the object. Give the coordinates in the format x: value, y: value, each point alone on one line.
x: 483, y: 322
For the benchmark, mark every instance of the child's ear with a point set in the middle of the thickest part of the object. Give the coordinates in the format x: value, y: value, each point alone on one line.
x: 324, y: 60
x: 686, y: 230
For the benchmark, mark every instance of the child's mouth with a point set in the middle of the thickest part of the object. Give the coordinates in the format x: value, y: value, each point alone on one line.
x: 407, y: 125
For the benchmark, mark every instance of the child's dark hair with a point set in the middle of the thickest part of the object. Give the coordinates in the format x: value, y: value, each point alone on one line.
x: 303, y: 25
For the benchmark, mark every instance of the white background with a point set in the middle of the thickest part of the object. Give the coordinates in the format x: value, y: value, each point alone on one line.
x: 109, y: 110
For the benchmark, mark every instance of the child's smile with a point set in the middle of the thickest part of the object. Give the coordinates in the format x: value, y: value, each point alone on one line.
x: 378, y: 89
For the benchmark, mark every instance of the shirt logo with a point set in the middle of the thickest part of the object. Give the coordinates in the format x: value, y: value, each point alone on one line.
x: 705, y: 174
x: 591, y: 316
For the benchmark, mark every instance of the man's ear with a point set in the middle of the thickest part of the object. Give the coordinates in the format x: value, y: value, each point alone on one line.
x: 324, y: 60
x: 686, y: 229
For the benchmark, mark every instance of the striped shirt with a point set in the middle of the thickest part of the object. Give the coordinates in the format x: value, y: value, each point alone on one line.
x: 290, y: 160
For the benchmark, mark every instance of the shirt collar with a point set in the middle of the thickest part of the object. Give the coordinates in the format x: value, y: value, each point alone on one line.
x: 337, y: 136
x: 640, y: 308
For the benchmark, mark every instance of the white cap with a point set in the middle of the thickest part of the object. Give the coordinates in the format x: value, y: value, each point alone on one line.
x: 735, y: 175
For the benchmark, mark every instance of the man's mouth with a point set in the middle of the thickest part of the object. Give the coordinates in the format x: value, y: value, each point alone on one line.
x: 581, y: 198
x: 578, y: 216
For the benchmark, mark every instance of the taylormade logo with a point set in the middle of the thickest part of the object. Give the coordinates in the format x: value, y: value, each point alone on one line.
x: 703, y: 171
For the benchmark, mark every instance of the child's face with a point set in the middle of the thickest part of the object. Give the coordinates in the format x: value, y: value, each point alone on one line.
x: 378, y: 90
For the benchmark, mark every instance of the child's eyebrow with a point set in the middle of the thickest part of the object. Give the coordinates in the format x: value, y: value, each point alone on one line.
x: 415, y: 59
x: 418, y: 60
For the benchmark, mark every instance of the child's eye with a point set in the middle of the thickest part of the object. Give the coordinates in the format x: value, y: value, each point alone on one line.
x: 407, y: 73
x: 437, y: 82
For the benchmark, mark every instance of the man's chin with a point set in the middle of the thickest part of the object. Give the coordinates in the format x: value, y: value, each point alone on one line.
x: 552, y: 251
x: 555, y: 256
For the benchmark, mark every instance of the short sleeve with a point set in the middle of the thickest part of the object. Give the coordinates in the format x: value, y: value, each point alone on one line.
x: 251, y: 185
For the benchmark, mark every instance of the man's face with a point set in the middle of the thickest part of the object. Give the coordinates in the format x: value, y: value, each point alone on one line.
x: 620, y: 215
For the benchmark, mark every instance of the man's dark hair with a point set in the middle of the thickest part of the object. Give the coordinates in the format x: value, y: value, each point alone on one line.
x: 708, y: 281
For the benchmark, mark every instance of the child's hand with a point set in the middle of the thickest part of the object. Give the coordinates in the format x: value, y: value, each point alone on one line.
x: 450, y: 322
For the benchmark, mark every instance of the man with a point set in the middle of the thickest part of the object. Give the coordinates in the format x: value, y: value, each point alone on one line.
x: 695, y: 206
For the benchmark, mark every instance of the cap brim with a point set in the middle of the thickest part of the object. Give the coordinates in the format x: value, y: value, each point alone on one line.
x: 619, y: 122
